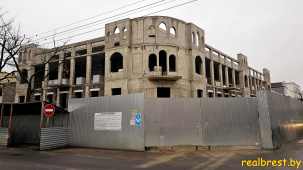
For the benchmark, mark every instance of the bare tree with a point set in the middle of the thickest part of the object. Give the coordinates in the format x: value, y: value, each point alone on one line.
x: 11, y: 40
x: 44, y: 57
x: 12, y: 43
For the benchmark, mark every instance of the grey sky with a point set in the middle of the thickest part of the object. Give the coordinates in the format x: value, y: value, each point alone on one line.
x: 268, y: 32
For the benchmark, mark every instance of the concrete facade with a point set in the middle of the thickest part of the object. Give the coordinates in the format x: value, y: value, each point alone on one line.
x: 160, y: 56
x: 7, y: 88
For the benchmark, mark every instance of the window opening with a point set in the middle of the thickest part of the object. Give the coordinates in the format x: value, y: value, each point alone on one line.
x: 172, y: 63
x: 152, y: 62
x: 94, y: 93
x: 163, y: 92
x: 116, y: 91
x: 117, y: 30
x: 200, y: 93
x: 198, y: 64
x: 21, y: 99
x: 116, y: 61
x: 78, y: 94
x: 162, y: 26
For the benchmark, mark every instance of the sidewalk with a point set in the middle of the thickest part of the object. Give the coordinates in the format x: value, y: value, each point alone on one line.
x: 27, y: 157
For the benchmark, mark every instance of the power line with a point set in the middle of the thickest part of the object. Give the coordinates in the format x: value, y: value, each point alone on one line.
x: 102, y: 19
x: 89, y: 18
x: 113, y: 19
x: 125, y: 21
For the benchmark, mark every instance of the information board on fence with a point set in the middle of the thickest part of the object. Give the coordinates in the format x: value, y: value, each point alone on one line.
x: 108, y: 121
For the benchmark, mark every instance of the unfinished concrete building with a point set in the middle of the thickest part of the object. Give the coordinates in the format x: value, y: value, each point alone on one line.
x: 160, y: 56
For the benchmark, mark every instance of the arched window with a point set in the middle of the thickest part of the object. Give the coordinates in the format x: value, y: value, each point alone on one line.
x: 162, y: 26
x: 108, y: 33
x: 117, y: 31
x: 116, y: 62
x: 162, y: 62
x: 246, y: 81
x: 193, y: 37
x: 124, y: 30
x: 202, y: 42
x: 172, y: 63
x: 152, y: 62
x: 198, y: 64
x: 197, y: 39
x: 152, y: 31
x: 173, y: 32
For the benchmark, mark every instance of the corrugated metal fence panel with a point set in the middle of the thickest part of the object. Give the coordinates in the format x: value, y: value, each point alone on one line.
x: 265, y: 122
x: 171, y: 122
x: 25, y: 128
x: 81, y: 122
x: 286, y: 117
x: 3, y: 136
x: 211, y: 121
x: 53, y: 138
x: 230, y: 121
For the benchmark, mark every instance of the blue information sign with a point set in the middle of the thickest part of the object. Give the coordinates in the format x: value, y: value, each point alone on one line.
x: 138, y: 116
x: 138, y: 122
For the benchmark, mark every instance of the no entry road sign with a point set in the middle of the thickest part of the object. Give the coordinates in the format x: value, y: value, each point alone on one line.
x: 49, y: 110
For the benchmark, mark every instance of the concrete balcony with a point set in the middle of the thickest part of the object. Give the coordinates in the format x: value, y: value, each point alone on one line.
x: 172, y: 76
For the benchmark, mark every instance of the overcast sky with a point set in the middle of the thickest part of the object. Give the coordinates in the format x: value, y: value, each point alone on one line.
x: 268, y: 32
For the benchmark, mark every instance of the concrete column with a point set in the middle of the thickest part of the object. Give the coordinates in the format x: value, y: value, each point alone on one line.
x: 258, y: 85
x: 255, y: 83
x: 226, y: 76
x: 89, y: 48
x: 60, y: 71
x: 43, y: 97
x: 88, y: 74
x: 88, y: 69
x: 234, y: 77
x: 58, y: 97
x: 212, y: 73
x: 250, y: 83
x: 220, y: 75
x: 72, y: 71
x: 46, y: 74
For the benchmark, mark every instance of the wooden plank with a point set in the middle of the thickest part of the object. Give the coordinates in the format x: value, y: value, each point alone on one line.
x: 41, y: 122
x: 67, y: 117
x: 1, y: 120
x: 47, y: 121
x: 10, y: 126
x: 42, y: 112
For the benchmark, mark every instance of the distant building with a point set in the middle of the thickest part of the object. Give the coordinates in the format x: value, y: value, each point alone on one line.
x: 7, y: 88
x: 290, y: 89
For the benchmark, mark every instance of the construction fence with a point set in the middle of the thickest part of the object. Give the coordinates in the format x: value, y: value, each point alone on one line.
x: 267, y: 121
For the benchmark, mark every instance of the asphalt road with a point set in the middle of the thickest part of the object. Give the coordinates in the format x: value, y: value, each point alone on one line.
x: 28, y: 157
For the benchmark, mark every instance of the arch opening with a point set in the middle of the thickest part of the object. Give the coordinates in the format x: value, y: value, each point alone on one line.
x: 152, y: 62
x: 117, y: 30
x: 198, y: 65
x: 116, y: 62
x: 172, y: 63
x: 162, y: 26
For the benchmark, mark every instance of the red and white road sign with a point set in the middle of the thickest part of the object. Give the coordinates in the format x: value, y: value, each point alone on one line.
x: 49, y: 110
